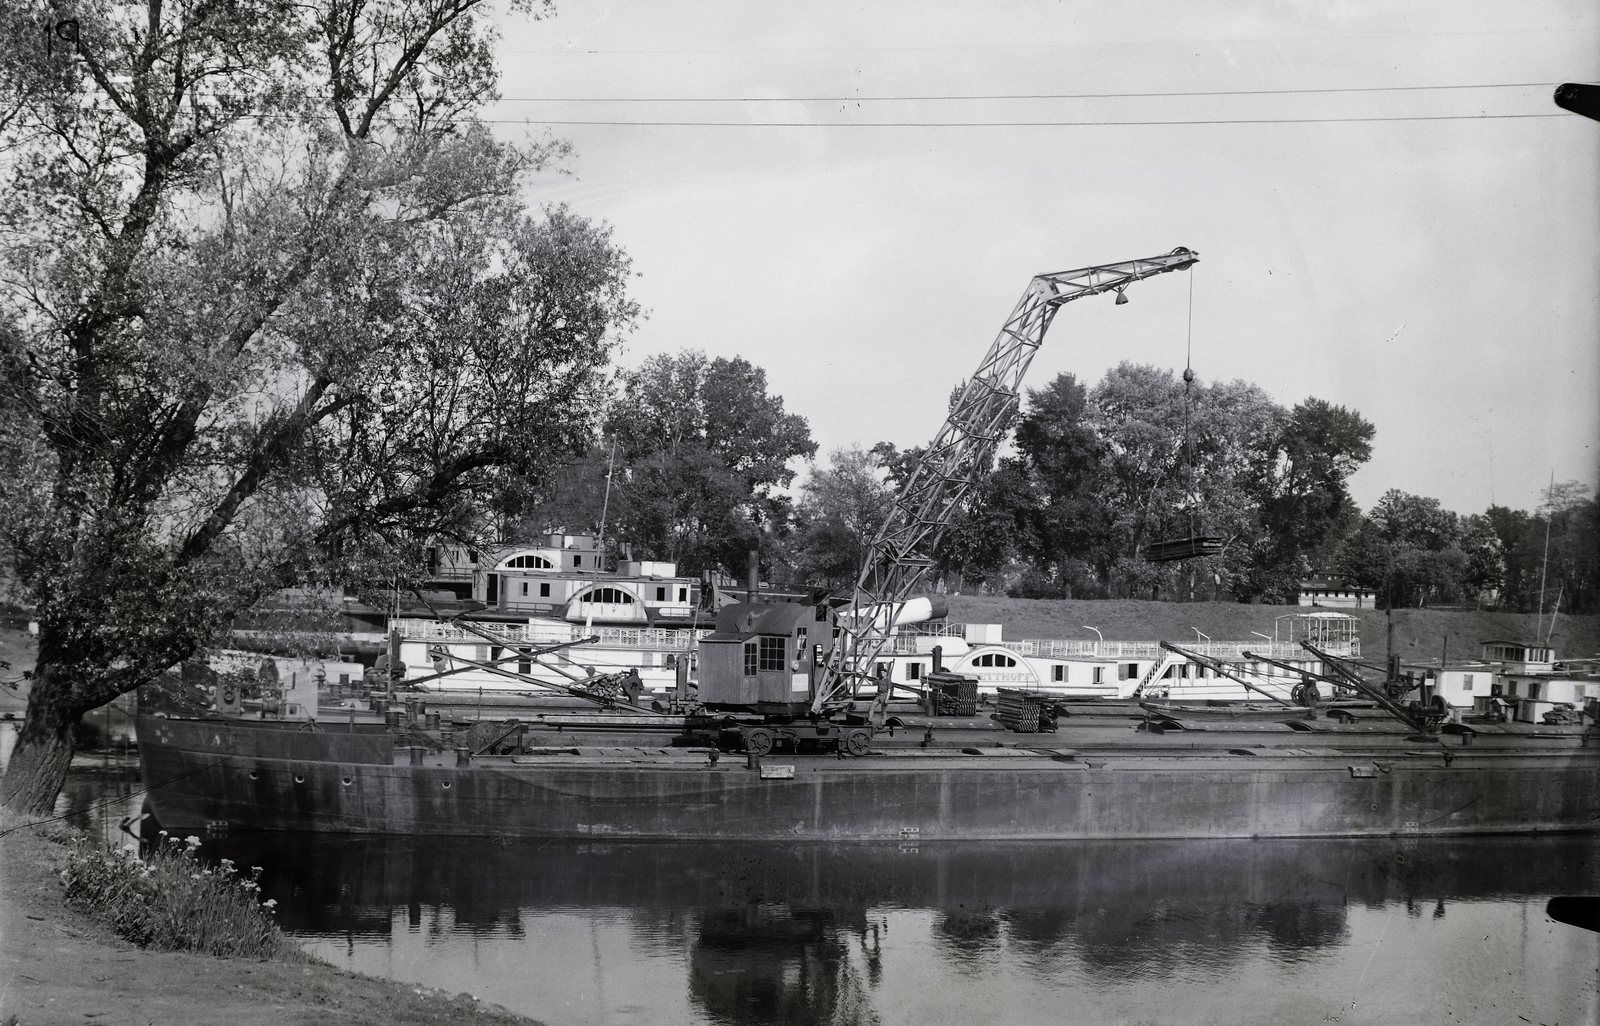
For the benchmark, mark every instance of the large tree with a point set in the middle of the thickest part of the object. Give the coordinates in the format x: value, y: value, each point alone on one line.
x: 701, y: 449
x: 842, y: 508
x: 270, y: 315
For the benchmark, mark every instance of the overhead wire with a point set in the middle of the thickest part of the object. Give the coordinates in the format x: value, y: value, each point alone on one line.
x: 572, y: 51
x: 1014, y: 124
x: 916, y: 98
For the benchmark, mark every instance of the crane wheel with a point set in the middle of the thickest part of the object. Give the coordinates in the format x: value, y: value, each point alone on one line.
x: 857, y: 742
x: 758, y: 741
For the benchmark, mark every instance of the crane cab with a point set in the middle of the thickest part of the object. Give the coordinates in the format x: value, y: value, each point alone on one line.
x: 764, y: 657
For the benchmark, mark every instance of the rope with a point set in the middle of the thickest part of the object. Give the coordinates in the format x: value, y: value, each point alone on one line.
x: 1188, y: 382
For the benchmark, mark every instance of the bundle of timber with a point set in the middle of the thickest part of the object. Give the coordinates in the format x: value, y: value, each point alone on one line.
x: 953, y: 694
x: 1026, y: 712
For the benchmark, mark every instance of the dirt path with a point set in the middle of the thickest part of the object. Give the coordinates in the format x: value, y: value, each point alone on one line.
x: 60, y: 966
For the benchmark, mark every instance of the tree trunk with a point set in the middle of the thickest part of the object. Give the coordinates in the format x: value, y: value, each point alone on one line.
x: 39, y: 762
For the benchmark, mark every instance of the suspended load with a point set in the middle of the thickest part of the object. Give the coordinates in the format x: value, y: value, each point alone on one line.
x: 1193, y: 545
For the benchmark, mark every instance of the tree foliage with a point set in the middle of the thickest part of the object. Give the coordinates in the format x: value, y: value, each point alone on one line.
x: 702, y: 450
x: 841, y: 510
x: 270, y: 315
x: 1101, y: 473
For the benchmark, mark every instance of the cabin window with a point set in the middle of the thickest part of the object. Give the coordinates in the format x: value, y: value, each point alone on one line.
x: 544, y: 590
x: 577, y: 560
x: 913, y: 671
x: 683, y: 594
x: 528, y: 563
x: 524, y: 661
x: 524, y: 587
x: 1099, y: 674
x: 993, y: 659
x: 749, y: 659
x: 1129, y: 671
x: 671, y: 661
x: 1058, y: 672
x: 1512, y: 689
x: 1466, y: 682
x: 1533, y: 690
x: 493, y: 590
x: 661, y: 594
x: 613, y: 596
x: 772, y: 653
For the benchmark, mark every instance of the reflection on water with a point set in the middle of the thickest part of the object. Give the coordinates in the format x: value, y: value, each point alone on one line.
x: 1368, y: 931
x: 1230, y: 931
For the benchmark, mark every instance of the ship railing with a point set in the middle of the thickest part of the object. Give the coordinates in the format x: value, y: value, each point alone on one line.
x: 931, y: 629
x: 1122, y: 650
x: 655, y: 638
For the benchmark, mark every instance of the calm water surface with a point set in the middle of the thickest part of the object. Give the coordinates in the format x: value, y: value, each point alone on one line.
x: 1387, y: 931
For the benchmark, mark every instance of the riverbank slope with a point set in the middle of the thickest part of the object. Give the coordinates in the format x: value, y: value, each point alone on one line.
x: 58, y: 965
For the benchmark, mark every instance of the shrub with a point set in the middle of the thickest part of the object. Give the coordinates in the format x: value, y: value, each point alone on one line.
x: 170, y: 901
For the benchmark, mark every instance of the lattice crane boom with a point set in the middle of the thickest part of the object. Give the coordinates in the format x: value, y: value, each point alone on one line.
x: 949, y: 470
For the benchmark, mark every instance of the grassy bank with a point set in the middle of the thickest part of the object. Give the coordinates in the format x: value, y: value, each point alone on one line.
x: 1419, y: 633
x: 70, y: 913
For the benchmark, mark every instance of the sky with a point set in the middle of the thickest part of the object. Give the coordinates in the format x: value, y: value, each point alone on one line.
x: 1391, y: 213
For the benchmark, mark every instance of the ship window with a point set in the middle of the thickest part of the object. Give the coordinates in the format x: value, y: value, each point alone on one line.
x: 577, y: 560
x: 913, y: 671
x: 683, y: 594
x: 661, y: 594
x: 524, y: 587
x: 1099, y: 674
x: 749, y: 659
x: 614, y: 596
x: 1058, y: 672
x: 528, y: 563
x: 525, y: 662
x: 1533, y: 690
x: 1466, y: 682
x: 544, y: 590
x: 772, y: 653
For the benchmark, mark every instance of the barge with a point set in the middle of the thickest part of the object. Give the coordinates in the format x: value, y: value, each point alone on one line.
x: 1110, y: 781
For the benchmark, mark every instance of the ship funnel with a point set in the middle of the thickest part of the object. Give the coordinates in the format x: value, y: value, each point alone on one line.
x: 912, y: 610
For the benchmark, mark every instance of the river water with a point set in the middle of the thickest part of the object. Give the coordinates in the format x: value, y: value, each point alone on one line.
x: 1372, y: 931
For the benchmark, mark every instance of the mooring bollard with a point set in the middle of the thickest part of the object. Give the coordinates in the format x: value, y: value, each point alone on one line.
x: 417, y: 752
x: 463, y: 757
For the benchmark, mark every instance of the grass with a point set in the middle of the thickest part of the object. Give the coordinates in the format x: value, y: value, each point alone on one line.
x: 170, y: 901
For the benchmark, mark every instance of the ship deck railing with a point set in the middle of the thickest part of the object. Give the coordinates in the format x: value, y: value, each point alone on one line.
x: 671, y: 639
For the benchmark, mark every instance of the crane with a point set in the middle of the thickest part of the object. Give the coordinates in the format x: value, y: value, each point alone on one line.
x: 949, y: 470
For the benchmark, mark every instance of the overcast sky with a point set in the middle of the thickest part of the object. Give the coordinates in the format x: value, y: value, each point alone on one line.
x: 1405, y: 225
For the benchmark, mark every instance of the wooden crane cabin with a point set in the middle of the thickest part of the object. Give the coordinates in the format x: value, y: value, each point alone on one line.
x: 764, y: 657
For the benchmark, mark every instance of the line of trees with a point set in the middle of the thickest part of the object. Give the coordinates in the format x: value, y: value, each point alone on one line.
x: 702, y: 458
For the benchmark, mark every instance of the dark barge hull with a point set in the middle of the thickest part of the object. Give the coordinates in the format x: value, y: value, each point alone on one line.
x: 210, y: 773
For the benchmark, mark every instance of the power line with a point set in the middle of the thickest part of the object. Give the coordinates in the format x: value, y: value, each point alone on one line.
x: 1011, y: 124
x: 1013, y: 96
x: 567, y: 51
